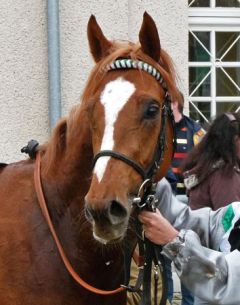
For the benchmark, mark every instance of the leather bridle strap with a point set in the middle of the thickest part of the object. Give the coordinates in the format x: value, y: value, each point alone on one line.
x: 122, y: 157
x: 159, y: 150
x: 43, y: 206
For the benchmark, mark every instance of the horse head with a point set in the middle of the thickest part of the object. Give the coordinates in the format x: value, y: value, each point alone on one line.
x: 125, y: 98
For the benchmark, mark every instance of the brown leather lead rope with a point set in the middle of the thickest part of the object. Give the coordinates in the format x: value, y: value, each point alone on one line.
x: 43, y: 206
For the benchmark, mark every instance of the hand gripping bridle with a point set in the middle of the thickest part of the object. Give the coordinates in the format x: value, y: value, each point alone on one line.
x: 146, y: 195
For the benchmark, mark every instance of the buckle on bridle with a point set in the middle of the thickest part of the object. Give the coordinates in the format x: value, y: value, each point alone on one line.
x: 146, y: 196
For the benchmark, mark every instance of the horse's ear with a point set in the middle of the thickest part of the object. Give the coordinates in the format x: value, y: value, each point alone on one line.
x: 149, y: 38
x: 99, y: 45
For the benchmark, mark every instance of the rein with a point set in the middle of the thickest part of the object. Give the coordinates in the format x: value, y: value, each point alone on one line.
x: 43, y: 206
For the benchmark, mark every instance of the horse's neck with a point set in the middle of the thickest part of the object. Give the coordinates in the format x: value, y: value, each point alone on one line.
x: 65, y: 186
x: 67, y: 163
x: 75, y: 232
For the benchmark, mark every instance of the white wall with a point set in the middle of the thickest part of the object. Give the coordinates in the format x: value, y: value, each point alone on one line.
x: 23, y: 75
x: 23, y: 56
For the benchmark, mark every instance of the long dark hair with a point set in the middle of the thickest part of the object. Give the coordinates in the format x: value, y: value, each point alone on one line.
x: 217, y: 144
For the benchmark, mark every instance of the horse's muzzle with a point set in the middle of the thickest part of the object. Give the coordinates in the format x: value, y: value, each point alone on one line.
x: 109, y: 223
x: 114, y: 213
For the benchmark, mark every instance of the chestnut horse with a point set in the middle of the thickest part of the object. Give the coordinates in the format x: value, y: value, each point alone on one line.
x: 121, y: 112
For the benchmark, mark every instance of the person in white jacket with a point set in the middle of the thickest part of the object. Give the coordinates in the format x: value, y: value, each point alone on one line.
x: 193, y: 241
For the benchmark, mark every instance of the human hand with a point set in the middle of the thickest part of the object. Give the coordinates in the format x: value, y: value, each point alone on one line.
x: 157, y: 228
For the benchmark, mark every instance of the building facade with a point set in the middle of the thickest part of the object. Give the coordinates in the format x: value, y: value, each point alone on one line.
x: 24, y: 97
x: 201, y: 36
x: 214, y: 57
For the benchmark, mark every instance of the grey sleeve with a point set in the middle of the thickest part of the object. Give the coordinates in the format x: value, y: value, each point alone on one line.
x: 205, y: 222
x: 210, y: 275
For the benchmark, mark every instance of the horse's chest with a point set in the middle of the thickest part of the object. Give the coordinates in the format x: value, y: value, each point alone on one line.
x: 31, y: 272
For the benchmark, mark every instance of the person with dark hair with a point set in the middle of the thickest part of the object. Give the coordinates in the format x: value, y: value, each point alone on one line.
x: 211, y: 169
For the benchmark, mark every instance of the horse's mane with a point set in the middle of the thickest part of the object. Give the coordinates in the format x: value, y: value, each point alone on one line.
x: 132, y: 51
x: 53, y: 149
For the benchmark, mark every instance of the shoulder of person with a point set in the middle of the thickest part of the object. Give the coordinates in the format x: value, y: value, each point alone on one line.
x: 193, y: 125
x: 196, y: 129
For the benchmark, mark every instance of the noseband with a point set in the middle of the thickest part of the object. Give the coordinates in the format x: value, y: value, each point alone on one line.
x: 166, y: 112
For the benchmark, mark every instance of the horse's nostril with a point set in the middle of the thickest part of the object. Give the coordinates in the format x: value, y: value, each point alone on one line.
x: 117, y: 210
x: 113, y: 214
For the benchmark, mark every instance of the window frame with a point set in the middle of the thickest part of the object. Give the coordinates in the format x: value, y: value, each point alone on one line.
x: 213, y: 19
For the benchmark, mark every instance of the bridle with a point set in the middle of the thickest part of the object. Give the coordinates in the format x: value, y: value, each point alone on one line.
x: 145, y: 198
x: 159, y: 150
x: 166, y: 112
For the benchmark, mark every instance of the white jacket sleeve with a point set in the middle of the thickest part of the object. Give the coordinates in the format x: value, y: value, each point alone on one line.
x: 210, y: 275
x: 212, y: 227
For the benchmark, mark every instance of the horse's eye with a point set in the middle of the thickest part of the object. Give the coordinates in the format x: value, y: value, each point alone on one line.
x: 151, y: 110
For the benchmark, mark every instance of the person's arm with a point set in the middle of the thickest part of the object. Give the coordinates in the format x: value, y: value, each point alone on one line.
x: 210, y: 275
x: 209, y: 225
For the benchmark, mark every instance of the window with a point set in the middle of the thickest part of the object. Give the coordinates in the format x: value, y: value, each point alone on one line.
x: 213, y: 3
x: 214, y: 57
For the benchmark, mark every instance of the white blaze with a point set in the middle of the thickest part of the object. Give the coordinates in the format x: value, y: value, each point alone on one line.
x: 114, y: 96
